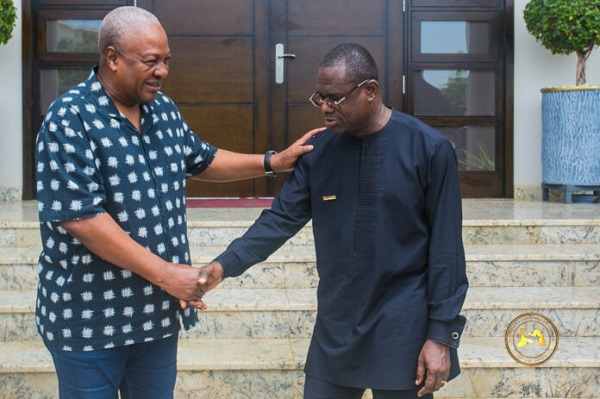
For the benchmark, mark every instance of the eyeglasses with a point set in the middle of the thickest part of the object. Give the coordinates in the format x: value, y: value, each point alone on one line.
x: 318, y: 100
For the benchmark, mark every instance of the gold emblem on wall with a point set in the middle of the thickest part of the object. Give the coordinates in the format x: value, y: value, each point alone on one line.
x: 531, y: 339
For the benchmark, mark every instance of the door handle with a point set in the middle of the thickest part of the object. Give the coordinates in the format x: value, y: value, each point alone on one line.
x: 280, y: 57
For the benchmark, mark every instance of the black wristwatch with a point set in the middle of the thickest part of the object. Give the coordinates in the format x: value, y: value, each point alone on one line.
x: 268, y: 170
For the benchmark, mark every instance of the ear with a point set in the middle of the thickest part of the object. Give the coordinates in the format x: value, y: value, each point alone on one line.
x: 372, y: 89
x: 111, y: 58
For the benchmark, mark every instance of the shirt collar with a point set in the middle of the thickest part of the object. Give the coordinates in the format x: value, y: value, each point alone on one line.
x: 104, y: 102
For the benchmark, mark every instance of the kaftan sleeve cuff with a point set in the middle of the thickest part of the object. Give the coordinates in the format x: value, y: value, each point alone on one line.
x: 232, y: 266
x: 447, y: 333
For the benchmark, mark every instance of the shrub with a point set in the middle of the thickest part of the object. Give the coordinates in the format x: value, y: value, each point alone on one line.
x: 566, y: 27
x: 8, y: 18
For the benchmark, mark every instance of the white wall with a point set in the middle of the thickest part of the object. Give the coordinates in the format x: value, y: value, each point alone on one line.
x: 11, y: 115
x: 535, y: 68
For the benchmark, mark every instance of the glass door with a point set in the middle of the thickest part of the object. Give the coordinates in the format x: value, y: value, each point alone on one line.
x: 456, y: 83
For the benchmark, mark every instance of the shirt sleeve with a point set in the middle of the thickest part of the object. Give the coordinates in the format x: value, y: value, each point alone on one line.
x: 447, y: 275
x: 290, y: 211
x: 198, y: 153
x: 69, y: 186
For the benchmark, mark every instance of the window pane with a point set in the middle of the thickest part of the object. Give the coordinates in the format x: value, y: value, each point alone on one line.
x: 88, y: 3
x: 475, y: 147
x: 455, y: 3
x: 454, y: 92
x: 54, y: 82
x: 72, y: 35
x: 454, y: 37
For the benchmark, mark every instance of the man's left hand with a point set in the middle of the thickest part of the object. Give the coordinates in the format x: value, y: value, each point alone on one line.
x: 433, y: 367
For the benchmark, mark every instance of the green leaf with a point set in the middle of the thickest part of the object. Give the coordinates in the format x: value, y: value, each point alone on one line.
x: 8, y: 18
x: 564, y: 26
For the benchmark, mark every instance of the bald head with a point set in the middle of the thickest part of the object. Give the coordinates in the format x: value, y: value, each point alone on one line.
x: 134, y: 57
x: 120, y: 25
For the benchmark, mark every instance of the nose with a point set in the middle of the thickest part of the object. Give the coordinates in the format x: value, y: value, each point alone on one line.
x: 326, y: 107
x: 161, y: 70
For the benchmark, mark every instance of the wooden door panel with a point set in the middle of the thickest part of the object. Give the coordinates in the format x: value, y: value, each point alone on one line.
x: 226, y: 126
x: 196, y: 188
x: 337, y: 17
x: 302, y: 71
x: 210, y: 70
x: 302, y: 118
x: 480, y: 185
x: 206, y: 17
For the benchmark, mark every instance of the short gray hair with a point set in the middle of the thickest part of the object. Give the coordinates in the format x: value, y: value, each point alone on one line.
x: 120, y: 22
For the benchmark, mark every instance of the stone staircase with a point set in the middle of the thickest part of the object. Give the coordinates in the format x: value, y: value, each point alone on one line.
x: 252, y: 341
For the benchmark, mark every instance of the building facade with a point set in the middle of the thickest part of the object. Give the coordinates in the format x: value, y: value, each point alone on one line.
x: 515, y: 72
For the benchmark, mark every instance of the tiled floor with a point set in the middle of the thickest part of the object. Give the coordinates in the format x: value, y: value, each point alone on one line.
x: 473, y: 209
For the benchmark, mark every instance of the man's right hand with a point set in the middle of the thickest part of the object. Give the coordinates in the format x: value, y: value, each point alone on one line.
x: 104, y: 237
x: 210, y: 276
x: 181, y: 281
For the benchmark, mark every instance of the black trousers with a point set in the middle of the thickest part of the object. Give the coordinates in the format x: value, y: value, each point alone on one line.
x: 319, y: 389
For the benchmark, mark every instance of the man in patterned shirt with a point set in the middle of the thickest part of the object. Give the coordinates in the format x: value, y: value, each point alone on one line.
x: 113, y: 155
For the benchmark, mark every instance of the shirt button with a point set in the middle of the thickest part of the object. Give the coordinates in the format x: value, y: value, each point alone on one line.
x: 455, y: 335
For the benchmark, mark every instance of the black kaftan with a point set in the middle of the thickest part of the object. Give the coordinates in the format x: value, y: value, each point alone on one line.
x: 387, y: 219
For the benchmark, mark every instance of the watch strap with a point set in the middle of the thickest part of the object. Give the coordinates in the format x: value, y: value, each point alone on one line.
x: 267, y: 162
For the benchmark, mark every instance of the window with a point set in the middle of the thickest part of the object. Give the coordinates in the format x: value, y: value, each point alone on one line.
x: 456, y: 83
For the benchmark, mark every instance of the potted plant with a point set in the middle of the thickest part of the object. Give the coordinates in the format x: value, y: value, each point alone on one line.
x: 570, y: 115
x: 8, y: 18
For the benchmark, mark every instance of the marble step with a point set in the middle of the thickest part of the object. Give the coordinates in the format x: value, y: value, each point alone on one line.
x: 237, y: 313
x: 527, y: 224
x: 291, y: 313
x: 272, y: 368
x: 485, y: 221
x: 552, y: 265
x: 219, y: 227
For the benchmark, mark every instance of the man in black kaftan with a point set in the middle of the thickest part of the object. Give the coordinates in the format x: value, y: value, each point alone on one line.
x: 383, y: 193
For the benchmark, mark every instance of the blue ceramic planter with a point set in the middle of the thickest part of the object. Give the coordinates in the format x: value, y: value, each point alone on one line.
x: 571, y: 136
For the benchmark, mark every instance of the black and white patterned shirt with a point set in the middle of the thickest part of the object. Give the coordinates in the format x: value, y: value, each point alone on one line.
x: 91, y: 160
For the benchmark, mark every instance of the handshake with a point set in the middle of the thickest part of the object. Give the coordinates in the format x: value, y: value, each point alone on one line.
x: 189, y: 284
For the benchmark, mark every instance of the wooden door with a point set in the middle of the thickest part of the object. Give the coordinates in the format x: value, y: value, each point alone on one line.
x: 223, y: 69
x: 308, y: 29
x: 217, y: 78
x: 448, y: 62
x: 450, y: 70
